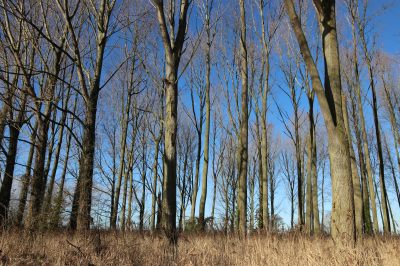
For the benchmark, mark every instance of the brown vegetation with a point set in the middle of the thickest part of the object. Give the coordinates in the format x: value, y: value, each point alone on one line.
x: 112, y: 248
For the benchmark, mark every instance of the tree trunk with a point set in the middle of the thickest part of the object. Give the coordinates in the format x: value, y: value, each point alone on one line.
x: 342, y: 227
x: 26, y: 179
x: 130, y: 196
x: 204, y: 176
x: 86, y: 166
x: 34, y: 218
x: 143, y: 195
x: 6, y: 185
x: 126, y: 177
x: 169, y: 180
x: 358, y: 210
x: 309, y: 202
x: 364, y: 137
x: 367, y: 223
x: 264, y: 132
x: 49, y: 194
x: 155, y: 175
x: 392, y: 168
x: 58, y: 203
x: 260, y: 172
x: 317, y: 227
x: 243, y: 148
x: 197, y: 169
x: 5, y: 111
x: 172, y: 48
x: 125, y: 124
x: 251, y: 190
x: 322, y: 197
x: 50, y: 151
x: 386, y: 222
x: 395, y: 132
x: 272, y: 196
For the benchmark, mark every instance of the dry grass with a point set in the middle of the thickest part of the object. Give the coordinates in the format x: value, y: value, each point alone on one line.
x: 111, y: 248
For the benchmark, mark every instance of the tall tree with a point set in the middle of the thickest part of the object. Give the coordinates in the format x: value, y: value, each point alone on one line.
x: 210, y: 32
x: 329, y: 98
x: 90, y: 86
x: 173, y: 48
x: 244, y: 125
x: 269, y: 26
x: 361, y: 23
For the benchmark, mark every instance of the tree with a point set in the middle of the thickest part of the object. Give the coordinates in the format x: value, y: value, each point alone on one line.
x: 210, y: 32
x: 244, y: 125
x: 173, y: 48
x: 90, y: 86
x: 290, y: 67
x: 361, y: 23
x: 196, y: 84
x: 329, y: 98
x: 269, y: 26
x: 288, y: 169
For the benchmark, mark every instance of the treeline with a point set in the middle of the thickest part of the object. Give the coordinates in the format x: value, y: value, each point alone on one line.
x: 137, y: 114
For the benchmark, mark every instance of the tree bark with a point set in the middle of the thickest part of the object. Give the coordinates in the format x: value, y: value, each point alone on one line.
x: 358, y: 203
x: 243, y: 147
x: 173, y: 51
x: 342, y: 227
x: 314, y: 181
x: 204, y: 176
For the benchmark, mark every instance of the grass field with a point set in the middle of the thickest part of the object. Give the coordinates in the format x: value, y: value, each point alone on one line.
x: 112, y: 248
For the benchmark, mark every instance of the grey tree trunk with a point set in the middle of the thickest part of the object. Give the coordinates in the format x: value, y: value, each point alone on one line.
x: 395, y: 132
x: 199, y: 129
x: 49, y: 194
x: 125, y: 124
x: 6, y: 185
x: 204, y: 176
x: 127, y: 176
x: 368, y: 59
x: 309, y: 203
x: 358, y: 203
x: 155, y: 175
x: 367, y: 223
x: 23, y: 195
x: 173, y: 49
x: 86, y: 167
x: 58, y: 202
x: 264, y: 132
x: 314, y: 181
x: 329, y: 98
x: 362, y: 120
x: 34, y: 218
x: 243, y: 143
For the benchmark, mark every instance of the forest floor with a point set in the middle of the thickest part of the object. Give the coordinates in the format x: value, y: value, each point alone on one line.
x: 131, y: 248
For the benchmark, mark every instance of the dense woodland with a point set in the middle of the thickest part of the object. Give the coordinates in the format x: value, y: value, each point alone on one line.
x: 199, y: 115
